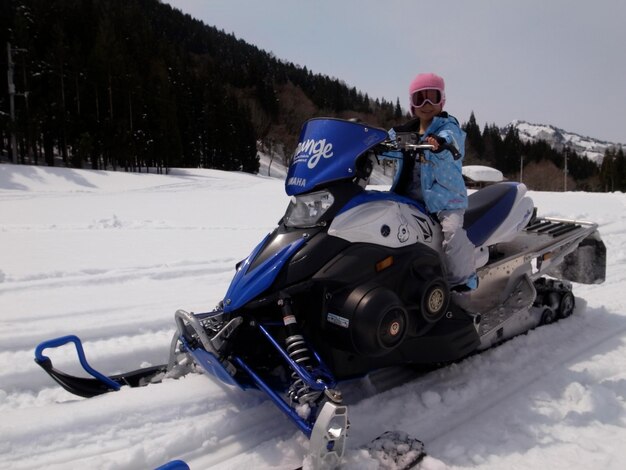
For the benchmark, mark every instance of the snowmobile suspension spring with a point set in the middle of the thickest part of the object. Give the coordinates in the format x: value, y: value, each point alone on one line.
x: 295, y: 344
x: 299, y: 352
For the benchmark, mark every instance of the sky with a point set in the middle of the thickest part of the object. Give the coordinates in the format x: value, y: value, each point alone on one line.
x: 113, y: 265
x: 557, y: 62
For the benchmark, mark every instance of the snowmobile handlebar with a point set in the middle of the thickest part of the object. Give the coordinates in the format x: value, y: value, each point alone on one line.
x: 419, y: 148
x: 410, y: 141
x: 445, y: 146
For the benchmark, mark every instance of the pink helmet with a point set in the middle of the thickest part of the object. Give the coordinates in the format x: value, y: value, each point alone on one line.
x: 426, y: 81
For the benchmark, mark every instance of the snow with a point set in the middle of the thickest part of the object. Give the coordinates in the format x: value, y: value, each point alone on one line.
x: 482, y: 173
x: 593, y: 149
x: 110, y: 257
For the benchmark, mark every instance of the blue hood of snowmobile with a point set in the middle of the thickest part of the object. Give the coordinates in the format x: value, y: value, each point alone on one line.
x: 249, y: 283
x: 327, y: 151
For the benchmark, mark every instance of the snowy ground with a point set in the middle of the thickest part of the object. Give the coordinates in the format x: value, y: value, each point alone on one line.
x: 111, y: 256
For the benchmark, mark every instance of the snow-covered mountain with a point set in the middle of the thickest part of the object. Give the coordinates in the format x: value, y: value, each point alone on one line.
x: 558, y: 138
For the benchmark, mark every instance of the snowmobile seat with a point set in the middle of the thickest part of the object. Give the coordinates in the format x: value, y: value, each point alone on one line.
x: 487, y: 209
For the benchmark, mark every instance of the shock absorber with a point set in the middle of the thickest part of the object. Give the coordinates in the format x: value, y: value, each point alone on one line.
x: 299, y: 352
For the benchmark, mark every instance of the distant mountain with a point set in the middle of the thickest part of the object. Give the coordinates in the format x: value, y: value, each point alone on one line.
x: 558, y: 138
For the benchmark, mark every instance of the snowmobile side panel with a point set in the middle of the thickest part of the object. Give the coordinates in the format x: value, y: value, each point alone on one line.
x: 357, y: 263
x: 452, y: 338
x: 374, y: 196
x: 278, y: 240
x: 249, y: 283
x: 310, y: 258
x: 390, y: 222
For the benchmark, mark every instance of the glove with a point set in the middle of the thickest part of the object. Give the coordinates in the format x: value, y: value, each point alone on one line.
x: 440, y: 140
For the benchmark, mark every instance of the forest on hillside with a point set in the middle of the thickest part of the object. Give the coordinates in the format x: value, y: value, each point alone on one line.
x: 113, y: 84
x: 118, y: 84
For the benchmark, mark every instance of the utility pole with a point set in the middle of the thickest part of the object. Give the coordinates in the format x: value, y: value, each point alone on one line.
x: 11, y: 102
x: 521, y: 168
x: 565, y: 172
x: 12, y: 94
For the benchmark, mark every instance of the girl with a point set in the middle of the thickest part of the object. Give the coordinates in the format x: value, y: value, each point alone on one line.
x: 438, y: 181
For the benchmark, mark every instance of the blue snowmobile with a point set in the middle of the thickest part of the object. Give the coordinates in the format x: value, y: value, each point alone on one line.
x: 352, y: 281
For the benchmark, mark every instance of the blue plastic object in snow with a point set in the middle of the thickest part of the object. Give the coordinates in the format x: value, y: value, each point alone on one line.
x: 174, y: 465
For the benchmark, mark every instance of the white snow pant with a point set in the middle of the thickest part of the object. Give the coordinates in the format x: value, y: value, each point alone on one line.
x: 458, y: 250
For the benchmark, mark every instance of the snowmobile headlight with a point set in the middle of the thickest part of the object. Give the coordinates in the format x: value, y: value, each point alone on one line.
x: 307, y: 210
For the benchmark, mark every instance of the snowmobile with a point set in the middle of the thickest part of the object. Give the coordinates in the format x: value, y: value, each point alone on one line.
x: 352, y: 281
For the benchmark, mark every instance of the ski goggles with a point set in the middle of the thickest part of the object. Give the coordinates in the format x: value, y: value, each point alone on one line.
x: 429, y: 95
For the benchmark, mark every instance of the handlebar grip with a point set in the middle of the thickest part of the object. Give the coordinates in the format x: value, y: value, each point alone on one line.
x: 453, y: 150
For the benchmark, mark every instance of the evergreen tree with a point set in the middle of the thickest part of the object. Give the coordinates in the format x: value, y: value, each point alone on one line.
x: 473, y: 133
x: 620, y: 170
x: 398, y: 110
x: 511, y: 149
x: 474, y: 143
x: 607, y: 170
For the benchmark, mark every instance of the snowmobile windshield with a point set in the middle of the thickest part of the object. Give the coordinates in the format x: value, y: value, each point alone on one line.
x: 327, y: 151
x: 306, y: 210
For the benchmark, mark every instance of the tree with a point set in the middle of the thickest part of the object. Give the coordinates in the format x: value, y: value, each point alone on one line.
x: 607, y: 170
x: 398, y: 110
x: 474, y: 143
x: 545, y: 176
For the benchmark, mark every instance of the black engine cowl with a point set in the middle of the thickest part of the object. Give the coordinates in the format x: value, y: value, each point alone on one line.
x: 369, y: 320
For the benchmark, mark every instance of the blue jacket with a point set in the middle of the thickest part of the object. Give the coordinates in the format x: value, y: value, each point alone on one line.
x: 441, y: 178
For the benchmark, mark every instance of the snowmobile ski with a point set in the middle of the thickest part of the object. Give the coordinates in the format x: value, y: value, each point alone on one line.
x: 99, y: 383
